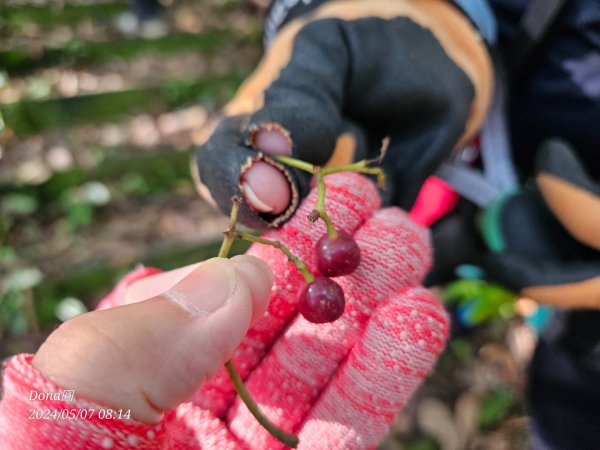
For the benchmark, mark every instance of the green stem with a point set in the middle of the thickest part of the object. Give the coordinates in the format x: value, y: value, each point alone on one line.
x: 320, y: 173
x: 360, y: 167
x: 230, y: 232
x: 287, y: 439
x: 307, y: 274
x: 297, y: 163
x: 331, y: 231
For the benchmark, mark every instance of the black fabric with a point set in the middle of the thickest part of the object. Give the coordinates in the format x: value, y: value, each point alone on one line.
x: 282, y: 12
x: 508, y: 15
x: 565, y: 372
x: 341, y: 69
x: 517, y: 271
x: 538, y: 250
x: 561, y: 96
x: 455, y: 241
x: 388, y: 77
x: 220, y: 162
x: 529, y: 228
x: 559, y: 159
x: 564, y: 384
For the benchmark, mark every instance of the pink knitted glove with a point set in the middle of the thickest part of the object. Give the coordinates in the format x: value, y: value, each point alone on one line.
x: 337, y: 385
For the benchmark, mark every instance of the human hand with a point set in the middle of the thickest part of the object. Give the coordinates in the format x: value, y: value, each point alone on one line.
x: 160, y: 338
x: 337, y: 385
x: 546, y: 239
x: 333, y: 84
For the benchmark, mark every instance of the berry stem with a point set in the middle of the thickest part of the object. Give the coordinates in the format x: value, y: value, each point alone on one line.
x: 360, y: 167
x: 319, y: 173
x: 287, y: 439
x: 297, y: 163
x: 364, y: 165
x: 307, y: 274
x: 231, y: 234
x: 331, y: 231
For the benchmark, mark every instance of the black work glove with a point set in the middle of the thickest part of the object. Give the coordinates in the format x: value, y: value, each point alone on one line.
x: 333, y: 84
x: 547, y: 238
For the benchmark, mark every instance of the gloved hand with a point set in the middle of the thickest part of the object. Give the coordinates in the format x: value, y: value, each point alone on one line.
x: 335, y: 82
x: 547, y: 238
x: 337, y: 385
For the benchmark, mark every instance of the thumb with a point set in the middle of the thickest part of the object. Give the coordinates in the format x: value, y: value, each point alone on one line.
x: 152, y: 355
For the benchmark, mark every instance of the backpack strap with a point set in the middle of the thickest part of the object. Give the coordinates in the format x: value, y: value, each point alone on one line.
x: 498, y: 176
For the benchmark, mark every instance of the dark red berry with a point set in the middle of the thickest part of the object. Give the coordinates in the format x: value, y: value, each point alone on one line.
x: 339, y: 256
x: 322, y: 301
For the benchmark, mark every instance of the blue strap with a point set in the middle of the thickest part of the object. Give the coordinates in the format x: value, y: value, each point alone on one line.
x: 481, y: 14
x: 498, y: 176
x: 281, y: 11
x: 496, y: 151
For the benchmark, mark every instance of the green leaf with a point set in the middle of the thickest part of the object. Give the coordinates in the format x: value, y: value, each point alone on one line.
x: 135, y: 184
x: 18, y: 205
x: 495, y: 406
x: 462, y: 290
x: 79, y: 215
x: 12, y: 313
x: 7, y: 255
x: 478, y: 300
x: 425, y: 443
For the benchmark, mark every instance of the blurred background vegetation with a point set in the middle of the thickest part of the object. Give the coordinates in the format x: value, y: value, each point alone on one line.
x: 96, y: 130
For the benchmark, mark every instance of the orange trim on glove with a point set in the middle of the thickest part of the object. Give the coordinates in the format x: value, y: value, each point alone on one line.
x: 459, y: 38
